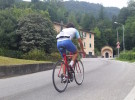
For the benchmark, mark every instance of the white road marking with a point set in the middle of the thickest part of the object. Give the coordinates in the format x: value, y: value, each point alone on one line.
x: 131, y: 95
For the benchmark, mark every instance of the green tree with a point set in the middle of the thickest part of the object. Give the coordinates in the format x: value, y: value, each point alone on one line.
x: 35, y: 1
x: 98, y: 33
x: 131, y: 7
x: 130, y: 33
x: 131, y: 3
x: 52, y: 9
x: 123, y: 15
x: 97, y: 37
x: 85, y: 22
x: 7, y: 30
x: 18, y: 13
x: 101, y: 13
x: 6, y: 3
x: 72, y: 18
x: 36, y: 32
x: 61, y: 14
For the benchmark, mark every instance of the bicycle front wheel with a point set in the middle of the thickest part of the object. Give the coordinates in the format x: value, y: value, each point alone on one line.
x: 58, y: 75
x: 79, y: 72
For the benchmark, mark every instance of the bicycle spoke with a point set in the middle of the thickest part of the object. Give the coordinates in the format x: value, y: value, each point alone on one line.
x: 59, y: 77
x: 79, y: 72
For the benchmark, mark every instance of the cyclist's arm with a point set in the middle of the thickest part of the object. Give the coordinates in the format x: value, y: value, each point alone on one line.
x: 81, y: 44
x: 80, y: 41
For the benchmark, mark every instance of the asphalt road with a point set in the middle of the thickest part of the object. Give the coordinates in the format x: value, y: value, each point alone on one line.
x: 104, y: 80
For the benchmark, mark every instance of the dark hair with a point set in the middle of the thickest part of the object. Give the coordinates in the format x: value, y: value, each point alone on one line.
x: 70, y: 25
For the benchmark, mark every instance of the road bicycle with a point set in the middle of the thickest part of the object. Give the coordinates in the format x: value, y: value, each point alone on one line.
x: 64, y: 74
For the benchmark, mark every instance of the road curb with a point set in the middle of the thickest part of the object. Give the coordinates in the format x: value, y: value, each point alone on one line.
x: 13, y: 70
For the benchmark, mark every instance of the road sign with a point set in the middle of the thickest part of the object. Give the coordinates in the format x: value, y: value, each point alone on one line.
x: 118, y: 44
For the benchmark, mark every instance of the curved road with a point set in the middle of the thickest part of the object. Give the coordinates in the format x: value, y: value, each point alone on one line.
x: 105, y: 79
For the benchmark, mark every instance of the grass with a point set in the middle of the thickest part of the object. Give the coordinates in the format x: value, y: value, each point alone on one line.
x: 131, y: 61
x: 14, y: 61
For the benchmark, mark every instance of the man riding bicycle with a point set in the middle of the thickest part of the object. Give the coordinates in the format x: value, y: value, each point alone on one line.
x: 64, y: 39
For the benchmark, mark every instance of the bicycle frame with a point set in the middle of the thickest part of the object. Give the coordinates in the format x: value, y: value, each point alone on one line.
x: 63, y: 74
x: 66, y: 65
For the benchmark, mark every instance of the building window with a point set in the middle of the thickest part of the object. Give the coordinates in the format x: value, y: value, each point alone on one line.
x: 84, y: 34
x: 84, y: 44
x: 90, y: 35
x: 90, y: 53
x: 90, y: 45
x: 81, y: 34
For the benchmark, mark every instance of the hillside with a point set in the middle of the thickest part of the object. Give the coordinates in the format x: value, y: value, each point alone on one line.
x: 90, y: 8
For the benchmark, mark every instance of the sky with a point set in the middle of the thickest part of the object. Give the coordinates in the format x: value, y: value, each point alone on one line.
x: 107, y: 3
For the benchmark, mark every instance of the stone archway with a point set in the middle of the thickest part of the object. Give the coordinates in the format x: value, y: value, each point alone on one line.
x: 107, y: 52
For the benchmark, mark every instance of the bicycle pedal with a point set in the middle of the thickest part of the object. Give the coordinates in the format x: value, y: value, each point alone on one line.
x: 63, y: 79
x: 71, y: 80
x: 71, y: 70
x: 71, y: 77
x: 68, y: 81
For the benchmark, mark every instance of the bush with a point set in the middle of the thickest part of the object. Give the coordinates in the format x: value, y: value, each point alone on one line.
x: 41, y: 55
x: 35, y: 31
x: 10, y: 53
x: 130, y: 55
x: 133, y: 49
x: 35, y: 55
x: 55, y: 56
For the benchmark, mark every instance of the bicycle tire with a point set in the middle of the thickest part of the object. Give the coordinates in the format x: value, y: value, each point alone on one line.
x: 54, y: 76
x: 78, y: 71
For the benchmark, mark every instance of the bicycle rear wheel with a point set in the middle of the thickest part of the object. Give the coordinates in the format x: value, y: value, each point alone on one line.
x: 58, y: 75
x: 79, y: 72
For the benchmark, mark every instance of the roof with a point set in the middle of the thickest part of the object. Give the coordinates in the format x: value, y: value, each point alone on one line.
x: 107, y: 48
x: 78, y: 29
x: 86, y: 31
x: 59, y: 24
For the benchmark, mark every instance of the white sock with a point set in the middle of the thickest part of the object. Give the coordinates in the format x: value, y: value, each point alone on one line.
x: 71, y: 63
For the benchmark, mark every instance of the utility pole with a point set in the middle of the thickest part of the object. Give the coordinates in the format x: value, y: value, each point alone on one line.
x: 123, y: 35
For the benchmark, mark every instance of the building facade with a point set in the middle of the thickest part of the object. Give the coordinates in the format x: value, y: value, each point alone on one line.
x: 87, y: 38
x: 88, y: 42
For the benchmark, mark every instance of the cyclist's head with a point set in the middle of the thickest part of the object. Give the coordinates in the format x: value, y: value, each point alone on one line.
x: 70, y: 25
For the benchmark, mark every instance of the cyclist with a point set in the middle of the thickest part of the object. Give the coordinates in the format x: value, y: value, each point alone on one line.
x: 64, y: 39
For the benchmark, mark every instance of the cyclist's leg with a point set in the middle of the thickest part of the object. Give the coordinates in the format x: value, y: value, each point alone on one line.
x: 62, y: 51
x: 72, y: 48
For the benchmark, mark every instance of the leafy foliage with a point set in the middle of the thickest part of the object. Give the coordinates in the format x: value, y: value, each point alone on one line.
x: 6, y: 3
x: 27, y: 26
x: 128, y: 56
x: 90, y: 8
x: 35, y: 54
x: 36, y: 32
x: 7, y: 29
x: 10, y: 53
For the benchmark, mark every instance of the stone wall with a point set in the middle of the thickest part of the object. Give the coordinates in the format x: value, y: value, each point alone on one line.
x: 14, y: 70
